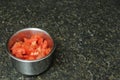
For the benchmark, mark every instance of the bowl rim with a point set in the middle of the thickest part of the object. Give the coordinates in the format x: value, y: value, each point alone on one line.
x: 36, y: 60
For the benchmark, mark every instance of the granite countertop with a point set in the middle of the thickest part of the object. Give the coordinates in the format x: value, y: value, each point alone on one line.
x: 86, y: 33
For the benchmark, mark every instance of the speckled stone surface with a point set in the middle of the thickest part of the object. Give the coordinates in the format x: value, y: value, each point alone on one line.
x: 86, y: 33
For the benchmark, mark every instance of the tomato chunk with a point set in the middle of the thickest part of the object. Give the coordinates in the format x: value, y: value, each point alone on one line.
x: 31, y: 48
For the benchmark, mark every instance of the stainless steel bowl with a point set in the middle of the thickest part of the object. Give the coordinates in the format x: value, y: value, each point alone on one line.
x: 30, y: 67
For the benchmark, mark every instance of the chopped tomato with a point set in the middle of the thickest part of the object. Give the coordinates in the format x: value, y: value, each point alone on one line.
x: 31, y: 48
x: 31, y: 58
x: 44, y: 44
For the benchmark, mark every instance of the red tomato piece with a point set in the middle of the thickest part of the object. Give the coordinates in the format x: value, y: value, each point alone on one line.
x: 18, y: 50
x: 47, y: 51
x: 16, y: 45
x: 31, y: 58
x: 19, y: 55
x: 41, y: 55
x: 40, y: 41
x: 45, y: 44
x: 31, y: 48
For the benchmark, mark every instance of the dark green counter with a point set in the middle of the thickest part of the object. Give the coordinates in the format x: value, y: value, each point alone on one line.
x: 86, y: 33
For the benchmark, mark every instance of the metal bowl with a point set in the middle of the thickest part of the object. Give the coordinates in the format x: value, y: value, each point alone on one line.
x: 30, y: 67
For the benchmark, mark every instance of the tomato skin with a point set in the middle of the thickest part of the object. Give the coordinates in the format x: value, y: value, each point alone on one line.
x: 40, y: 56
x: 19, y: 55
x: 47, y: 51
x: 16, y: 45
x: 31, y: 58
x: 31, y: 48
x: 40, y: 41
x: 44, y: 44
x: 18, y: 50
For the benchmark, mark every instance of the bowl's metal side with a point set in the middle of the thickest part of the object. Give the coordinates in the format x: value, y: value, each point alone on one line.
x: 32, y: 68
